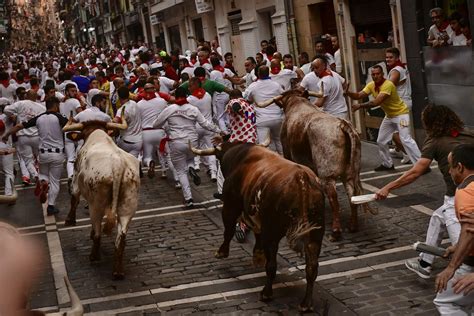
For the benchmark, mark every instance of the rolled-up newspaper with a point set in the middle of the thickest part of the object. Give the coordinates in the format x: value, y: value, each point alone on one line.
x: 432, y: 250
x: 360, y: 199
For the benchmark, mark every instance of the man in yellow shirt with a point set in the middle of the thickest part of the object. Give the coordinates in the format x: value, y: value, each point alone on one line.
x: 396, y: 117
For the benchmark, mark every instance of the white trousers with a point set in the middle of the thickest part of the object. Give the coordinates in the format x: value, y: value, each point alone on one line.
x: 50, y: 169
x: 205, y: 141
x: 7, y: 168
x: 273, y: 127
x: 27, y: 147
x: 219, y: 101
x: 443, y: 217
x: 449, y: 303
x: 182, y: 158
x: 71, y: 148
x: 343, y: 115
x: 400, y: 124
x: 151, y: 143
x: 133, y: 149
x: 23, y: 169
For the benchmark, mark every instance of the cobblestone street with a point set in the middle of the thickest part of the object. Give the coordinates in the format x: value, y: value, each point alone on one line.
x: 170, y: 266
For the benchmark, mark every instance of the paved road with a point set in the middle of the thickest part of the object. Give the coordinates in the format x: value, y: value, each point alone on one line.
x: 170, y: 267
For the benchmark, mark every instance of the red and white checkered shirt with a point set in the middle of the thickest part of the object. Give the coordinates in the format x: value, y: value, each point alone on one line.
x: 242, y: 123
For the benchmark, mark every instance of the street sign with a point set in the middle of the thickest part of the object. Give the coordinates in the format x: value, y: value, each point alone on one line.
x: 203, y: 6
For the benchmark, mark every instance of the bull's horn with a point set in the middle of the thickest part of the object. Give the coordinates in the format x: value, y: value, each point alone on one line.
x: 267, y: 141
x: 4, y: 199
x: 122, y: 126
x: 266, y: 103
x: 319, y: 94
x: 69, y: 127
x: 203, y: 152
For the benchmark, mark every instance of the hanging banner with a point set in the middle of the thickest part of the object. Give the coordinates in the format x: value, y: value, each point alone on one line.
x: 203, y: 6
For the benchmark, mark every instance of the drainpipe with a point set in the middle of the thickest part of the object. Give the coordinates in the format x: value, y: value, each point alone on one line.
x: 291, y: 28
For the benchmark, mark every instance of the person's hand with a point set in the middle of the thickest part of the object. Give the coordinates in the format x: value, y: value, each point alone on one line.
x: 217, y: 140
x: 449, y: 251
x: 355, y: 107
x: 442, y: 279
x: 464, y: 283
x: 382, y: 194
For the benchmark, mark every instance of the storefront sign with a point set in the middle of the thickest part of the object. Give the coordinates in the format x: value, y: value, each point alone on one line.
x: 203, y: 6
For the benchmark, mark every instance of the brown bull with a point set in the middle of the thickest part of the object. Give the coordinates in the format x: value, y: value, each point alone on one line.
x: 330, y: 146
x: 108, y: 179
x: 276, y: 198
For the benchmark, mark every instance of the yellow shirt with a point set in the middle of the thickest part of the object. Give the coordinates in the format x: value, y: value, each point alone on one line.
x: 393, y: 105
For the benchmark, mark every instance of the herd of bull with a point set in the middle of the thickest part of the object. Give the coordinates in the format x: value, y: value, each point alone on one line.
x: 275, y: 196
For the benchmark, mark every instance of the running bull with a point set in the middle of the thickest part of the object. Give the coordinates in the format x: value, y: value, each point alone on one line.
x: 330, y: 146
x: 108, y: 179
x: 276, y: 198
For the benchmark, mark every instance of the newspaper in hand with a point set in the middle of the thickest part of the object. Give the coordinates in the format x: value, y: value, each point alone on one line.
x: 360, y: 199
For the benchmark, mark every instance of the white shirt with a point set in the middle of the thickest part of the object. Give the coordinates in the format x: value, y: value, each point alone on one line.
x: 182, y: 121
x: 218, y: 76
x: 284, y: 78
x: 133, y: 133
x: 188, y: 70
x: 90, y: 94
x: 403, y: 90
x: 434, y: 33
x: 250, y: 78
x: 337, y: 59
x: 310, y: 82
x: 63, y: 85
x: 68, y: 106
x: 8, y: 92
x: 25, y: 110
x: 150, y: 109
x: 458, y: 40
x: 92, y: 113
x: 306, y: 68
x: 204, y: 105
x: 333, y: 91
x: 262, y: 90
x: 166, y: 84
x: 50, y: 130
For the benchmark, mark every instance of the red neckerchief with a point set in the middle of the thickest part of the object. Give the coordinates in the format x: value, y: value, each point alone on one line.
x: 458, y: 32
x: 199, y: 93
x: 19, y: 81
x: 219, y: 68
x: 164, y: 96
x: 181, y: 101
x: 35, y: 87
x: 202, y: 79
x: 163, y: 142
x: 269, y: 57
x: 454, y: 133
x: 103, y: 81
x: 5, y: 83
x: 443, y: 26
x: 275, y: 70
x: 377, y: 86
x: 205, y: 61
x: 93, y: 66
x: 325, y: 73
x: 397, y: 63
x: 112, y: 78
x: 143, y: 95
x: 193, y: 61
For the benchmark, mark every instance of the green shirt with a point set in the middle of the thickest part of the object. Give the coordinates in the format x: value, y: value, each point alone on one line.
x: 209, y: 85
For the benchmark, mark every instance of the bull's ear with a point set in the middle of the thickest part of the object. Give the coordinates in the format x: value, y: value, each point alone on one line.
x: 305, y: 94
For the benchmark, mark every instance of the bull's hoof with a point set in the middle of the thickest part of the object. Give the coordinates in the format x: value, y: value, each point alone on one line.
x: 266, y: 297
x: 259, y: 259
x: 353, y: 228
x: 303, y: 308
x: 336, y: 235
x: 108, y: 228
x: 94, y: 257
x: 70, y: 222
x: 221, y: 254
x: 119, y: 275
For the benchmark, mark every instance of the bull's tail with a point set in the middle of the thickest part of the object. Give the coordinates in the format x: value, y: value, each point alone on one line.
x: 111, y: 216
x: 355, y: 160
x: 301, y: 224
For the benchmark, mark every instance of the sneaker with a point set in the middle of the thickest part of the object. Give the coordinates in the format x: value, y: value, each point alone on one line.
x: 217, y: 195
x: 239, y: 233
x: 405, y: 160
x: 177, y: 185
x: 395, y: 153
x: 414, y: 265
x: 213, y: 175
x: 194, y: 176
x: 151, y: 170
x: 25, y: 180
x: 383, y: 168
x: 189, y: 203
x: 44, y: 188
x: 51, y: 210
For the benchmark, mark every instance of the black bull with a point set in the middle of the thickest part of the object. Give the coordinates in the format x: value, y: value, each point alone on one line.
x: 276, y: 198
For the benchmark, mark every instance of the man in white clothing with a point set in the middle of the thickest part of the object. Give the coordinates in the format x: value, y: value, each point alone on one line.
x: 28, y: 140
x: 283, y: 77
x: 182, y: 118
x: 220, y: 99
x: 440, y: 32
x: 270, y: 118
x: 333, y: 101
x: 131, y: 139
x: 96, y: 112
x: 337, y: 54
x: 70, y: 107
x: 203, y: 101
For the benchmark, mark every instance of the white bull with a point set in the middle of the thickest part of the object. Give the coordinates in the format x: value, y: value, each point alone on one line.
x: 108, y: 179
